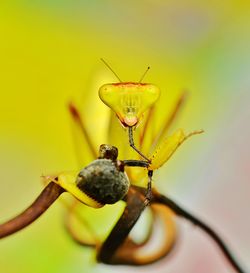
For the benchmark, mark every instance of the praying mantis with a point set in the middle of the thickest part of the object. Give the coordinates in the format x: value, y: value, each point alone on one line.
x: 107, y: 180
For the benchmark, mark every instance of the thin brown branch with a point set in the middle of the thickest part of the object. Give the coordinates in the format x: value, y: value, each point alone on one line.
x: 134, y: 208
x: 121, y: 249
x: 46, y: 198
x: 158, y: 198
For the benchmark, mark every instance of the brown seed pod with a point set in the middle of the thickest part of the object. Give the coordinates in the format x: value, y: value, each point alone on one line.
x: 103, y: 181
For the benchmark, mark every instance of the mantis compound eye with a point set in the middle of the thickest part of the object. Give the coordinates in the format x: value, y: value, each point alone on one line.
x: 103, y: 181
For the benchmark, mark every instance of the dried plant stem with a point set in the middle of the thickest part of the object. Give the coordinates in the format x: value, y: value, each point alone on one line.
x: 46, y: 198
x: 158, y: 198
x: 118, y: 248
x: 135, y: 205
x: 115, y: 250
x: 111, y: 251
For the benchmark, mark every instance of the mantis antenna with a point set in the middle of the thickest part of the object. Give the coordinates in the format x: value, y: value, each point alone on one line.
x: 144, y: 74
x: 111, y: 69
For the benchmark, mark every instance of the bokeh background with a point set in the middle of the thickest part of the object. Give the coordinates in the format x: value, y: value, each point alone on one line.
x: 50, y: 51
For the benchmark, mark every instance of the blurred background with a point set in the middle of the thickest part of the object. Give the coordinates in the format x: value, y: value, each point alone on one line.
x: 50, y: 54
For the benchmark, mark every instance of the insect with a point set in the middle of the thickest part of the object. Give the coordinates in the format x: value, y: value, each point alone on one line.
x: 108, y: 180
x: 129, y: 100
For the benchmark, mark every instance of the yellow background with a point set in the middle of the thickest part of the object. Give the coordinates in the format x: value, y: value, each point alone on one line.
x: 49, y: 54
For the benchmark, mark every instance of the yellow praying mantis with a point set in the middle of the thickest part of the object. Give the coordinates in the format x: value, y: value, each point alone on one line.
x: 108, y: 180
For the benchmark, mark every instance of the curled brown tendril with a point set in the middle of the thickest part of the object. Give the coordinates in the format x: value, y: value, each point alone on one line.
x: 46, y: 198
x: 113, y: 252
x: 118, y: 248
